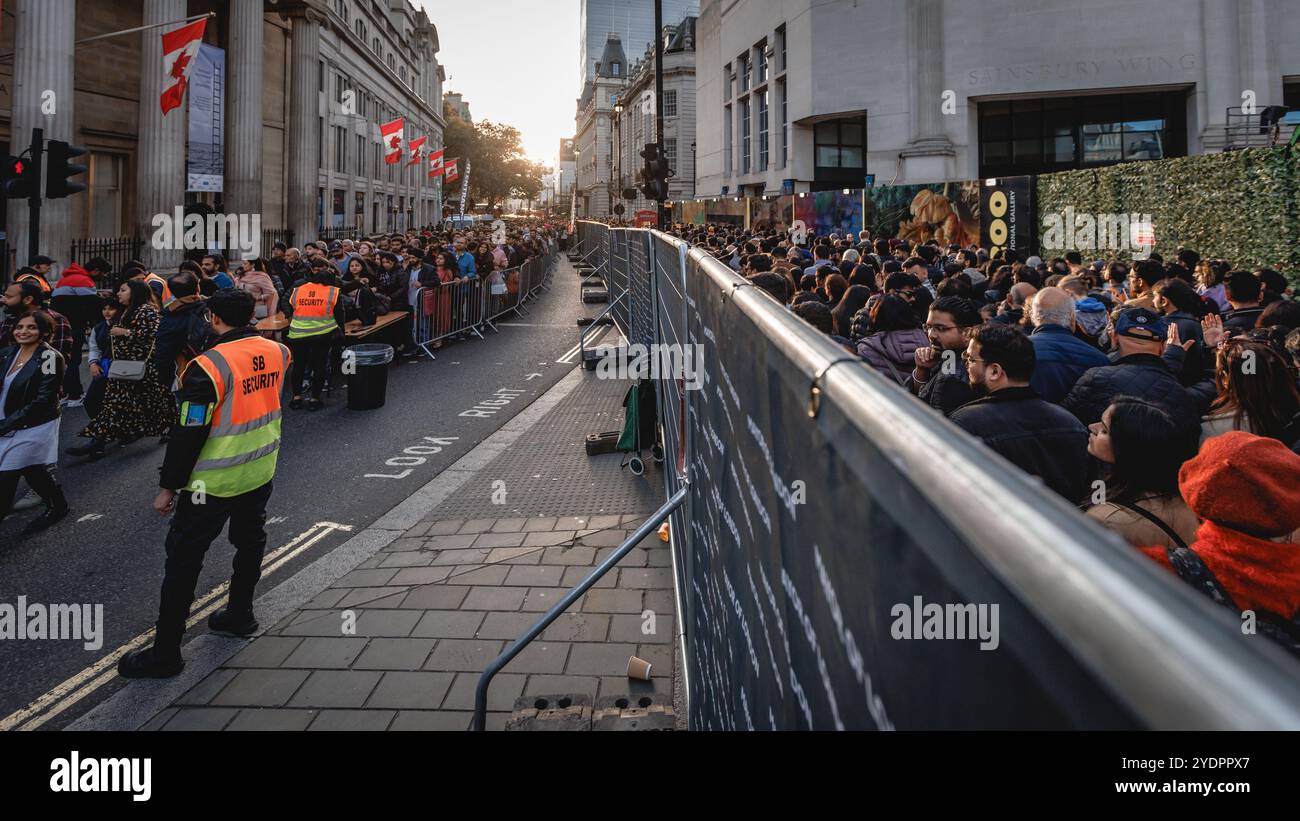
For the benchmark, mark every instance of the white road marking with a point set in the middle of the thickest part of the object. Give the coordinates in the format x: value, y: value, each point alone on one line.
x: 103, y: 671
x: 90, y: 517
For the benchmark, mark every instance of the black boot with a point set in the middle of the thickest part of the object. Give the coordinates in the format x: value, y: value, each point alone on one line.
x: 94, y: 448
x: 150, y: 663
x: 55, y: 511
x: 235, y: 623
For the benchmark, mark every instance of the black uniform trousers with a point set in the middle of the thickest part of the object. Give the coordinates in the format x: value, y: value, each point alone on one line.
x: 311, y: 352
x: 193, y: 529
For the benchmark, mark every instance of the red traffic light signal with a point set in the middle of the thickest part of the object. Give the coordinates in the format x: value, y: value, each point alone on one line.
x: 21, y: 178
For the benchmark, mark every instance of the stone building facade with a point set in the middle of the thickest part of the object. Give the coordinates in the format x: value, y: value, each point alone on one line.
x: 306, y: 84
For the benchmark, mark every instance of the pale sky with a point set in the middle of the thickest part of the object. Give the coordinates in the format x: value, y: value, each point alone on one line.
x: 516, y: 62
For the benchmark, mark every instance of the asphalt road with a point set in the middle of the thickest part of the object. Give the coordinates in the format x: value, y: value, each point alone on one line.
x: 334, y: 468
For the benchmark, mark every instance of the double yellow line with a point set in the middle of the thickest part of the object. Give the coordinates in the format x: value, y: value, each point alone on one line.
x: 103, y: 671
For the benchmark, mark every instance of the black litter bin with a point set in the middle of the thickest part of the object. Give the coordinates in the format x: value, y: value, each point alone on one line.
x: 368, y: 377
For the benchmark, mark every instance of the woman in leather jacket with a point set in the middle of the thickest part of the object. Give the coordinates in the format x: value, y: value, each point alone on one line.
x: 29, y: 418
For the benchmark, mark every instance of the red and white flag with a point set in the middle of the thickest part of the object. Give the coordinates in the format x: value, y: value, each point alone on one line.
x: 391, y: 136
x: 417, y: 150
x: 179, y: 48
x: 452, y: 174
x: 436, y: 167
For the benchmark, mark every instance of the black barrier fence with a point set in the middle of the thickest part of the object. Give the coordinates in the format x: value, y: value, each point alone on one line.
x: 847, y: 558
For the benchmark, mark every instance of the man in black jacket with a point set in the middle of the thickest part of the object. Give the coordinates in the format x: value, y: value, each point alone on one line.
x: 1245, y: 293
x: 1036, y: 436
x: 940, y: 379
x: 1140, y: 372
x: 184, y: 330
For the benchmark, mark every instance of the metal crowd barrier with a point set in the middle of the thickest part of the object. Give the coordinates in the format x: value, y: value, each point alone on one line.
x: 821, y: 516
x: 455, y: 308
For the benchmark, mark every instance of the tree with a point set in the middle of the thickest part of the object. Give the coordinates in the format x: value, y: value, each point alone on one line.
x: 500, y: 169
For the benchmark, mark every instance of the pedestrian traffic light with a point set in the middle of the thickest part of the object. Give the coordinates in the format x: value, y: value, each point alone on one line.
x: 654, y: 174
x: 57, y: 178
x: 22, y: 178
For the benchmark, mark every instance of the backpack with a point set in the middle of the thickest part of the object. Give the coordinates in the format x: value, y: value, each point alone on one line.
x: 198, y: 332
x: 1191, y: 569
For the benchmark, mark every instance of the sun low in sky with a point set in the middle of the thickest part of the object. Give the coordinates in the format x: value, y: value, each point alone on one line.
x: 515, y: 62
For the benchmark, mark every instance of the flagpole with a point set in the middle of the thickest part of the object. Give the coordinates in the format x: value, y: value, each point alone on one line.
x: 146, y: 28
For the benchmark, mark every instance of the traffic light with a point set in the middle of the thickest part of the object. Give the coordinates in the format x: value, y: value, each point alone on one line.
x: 22, y: 178
x: 655, y: 174
x: 57, y: 179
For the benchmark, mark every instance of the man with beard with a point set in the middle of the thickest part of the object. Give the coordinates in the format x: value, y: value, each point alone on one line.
x: 1040, y: 438
x: 939, y: 378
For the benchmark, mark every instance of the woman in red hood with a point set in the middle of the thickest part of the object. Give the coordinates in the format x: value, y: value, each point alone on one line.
x: 1246, y: 491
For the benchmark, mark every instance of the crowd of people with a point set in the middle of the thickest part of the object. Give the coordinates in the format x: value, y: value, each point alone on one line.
x: 1160, y: 396
x: 117, y: 342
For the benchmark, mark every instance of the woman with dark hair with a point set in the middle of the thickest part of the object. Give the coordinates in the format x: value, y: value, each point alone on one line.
x: 1284, y: 312
x: 1210, y: 276
x: 1142, y: 448
x: 833, y: 289
x: 864, y: 274
x: 1256, y: 393
x: 854, y: 300
x: 252, y: 276
x: 136, y: 403
x: 32, y: 372
x: 893, y: 335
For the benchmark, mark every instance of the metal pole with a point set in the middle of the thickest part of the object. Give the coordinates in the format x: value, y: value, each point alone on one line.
x: 646, y: 528
x: 34, y: 202
x: 146, y: 28
x: 659, y: 96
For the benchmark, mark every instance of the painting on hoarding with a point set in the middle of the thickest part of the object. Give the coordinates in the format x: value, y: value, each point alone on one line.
x: 771, y: 214
x: 946, y: 212
x: 830, y: 212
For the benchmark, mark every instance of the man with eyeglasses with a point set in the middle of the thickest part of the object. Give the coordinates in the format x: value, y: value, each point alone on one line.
x: 1040, y: 438
x: 939, y: 378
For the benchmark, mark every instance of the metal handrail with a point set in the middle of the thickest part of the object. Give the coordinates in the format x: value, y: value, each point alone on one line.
x: 646, y: 528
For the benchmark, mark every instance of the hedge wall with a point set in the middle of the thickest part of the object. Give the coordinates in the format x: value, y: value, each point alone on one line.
x: 1243, y: 206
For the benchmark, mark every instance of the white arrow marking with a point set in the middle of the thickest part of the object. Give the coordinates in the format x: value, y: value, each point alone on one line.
x: 105, y: 670
x: 532, y: 376
x: 277, y: 520
x: 90, y: 517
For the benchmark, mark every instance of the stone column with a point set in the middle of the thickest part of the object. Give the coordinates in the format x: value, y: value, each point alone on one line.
x: 42, y: 98
x: 929, y: 152
x: 304, y: 114
x: 160, y: 162
x: 243, y: 183
x: 1222, y: 86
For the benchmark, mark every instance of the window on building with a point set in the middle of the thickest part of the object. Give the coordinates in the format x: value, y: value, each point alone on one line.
x: 783, y: 145
x: 670, y: 153
x: 780, y: 49
x: 742, y: 68
x: 104, y: 211
x: 320, y: 139
x: 341, y: 149
x: 401, y: 73
x: 341, y: 8
x: 744, y: 136
x: 761, y: 51
x: 1062, y: 133
x: 374, y: 46
x: 727, y: 78
x: 839, y: 143
x: 670, y: 103
x: 763, y: 102
x: 338, y: 212
x: 728, y: 139
x: 361, y: 155
x: 615, y: 69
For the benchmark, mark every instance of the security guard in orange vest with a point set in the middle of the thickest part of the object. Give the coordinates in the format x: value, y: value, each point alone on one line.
x: 160, y: 289
x: 39, y: 270
x: 316, y: 317
x: 218, y: 469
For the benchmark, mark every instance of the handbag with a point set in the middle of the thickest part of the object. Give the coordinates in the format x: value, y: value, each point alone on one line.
x: 127, y: 370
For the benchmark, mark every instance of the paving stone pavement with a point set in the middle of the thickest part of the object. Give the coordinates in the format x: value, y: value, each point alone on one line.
x: 399, y: 642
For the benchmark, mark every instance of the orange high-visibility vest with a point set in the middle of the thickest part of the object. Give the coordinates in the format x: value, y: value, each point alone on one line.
x: 243, y: 443
x: 313, y: 310
x: 167, y: 297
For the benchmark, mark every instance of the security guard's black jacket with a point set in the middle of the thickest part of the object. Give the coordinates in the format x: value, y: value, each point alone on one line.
x: 187, y: 440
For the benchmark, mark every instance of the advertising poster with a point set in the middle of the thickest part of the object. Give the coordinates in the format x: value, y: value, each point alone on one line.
x: 946, y: 212
x: 1007, y: 216
x: 827, y: 212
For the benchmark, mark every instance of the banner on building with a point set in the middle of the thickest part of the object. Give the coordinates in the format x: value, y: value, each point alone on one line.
x: 1007, y: 220
x: 464, y: 186
x: 206, y: 164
